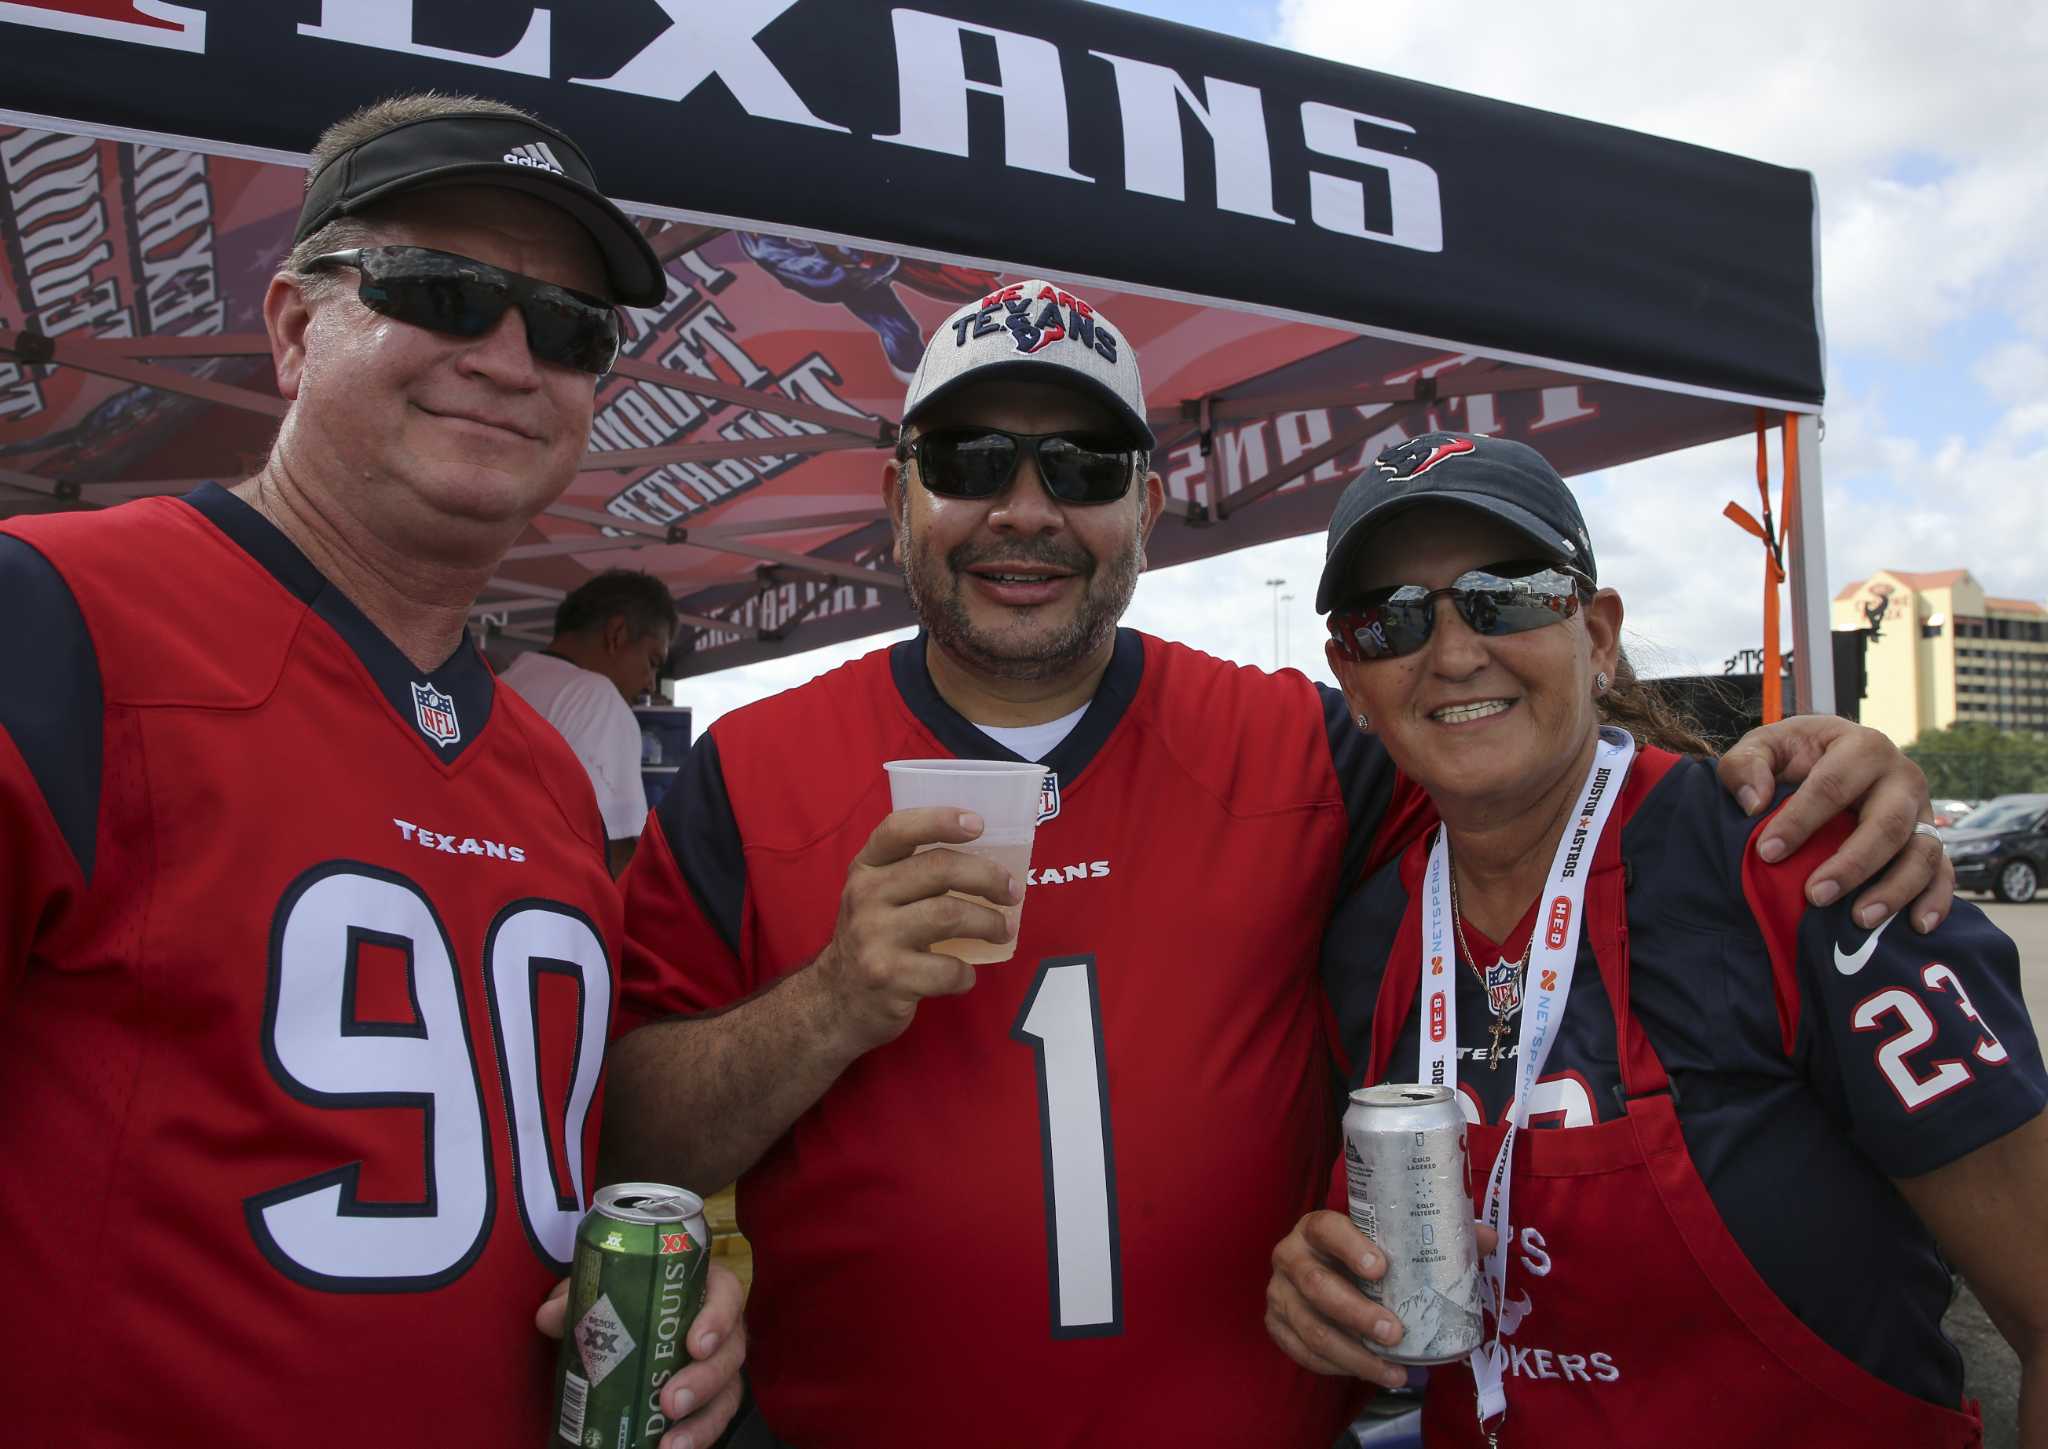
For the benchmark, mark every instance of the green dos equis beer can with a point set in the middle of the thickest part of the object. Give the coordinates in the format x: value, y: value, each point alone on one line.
x: 642, y: 1258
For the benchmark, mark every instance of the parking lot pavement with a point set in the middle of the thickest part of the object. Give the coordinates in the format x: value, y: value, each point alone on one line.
x: 2028, y: 925
x: 1991, y: 1373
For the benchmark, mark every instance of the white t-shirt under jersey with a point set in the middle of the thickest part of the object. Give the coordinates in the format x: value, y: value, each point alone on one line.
x: 597, y: 722
x: 1034, y: 742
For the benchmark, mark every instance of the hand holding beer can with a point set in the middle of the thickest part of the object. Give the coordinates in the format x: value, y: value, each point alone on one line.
x: 643, y: 1257
x: 1404, y: 1160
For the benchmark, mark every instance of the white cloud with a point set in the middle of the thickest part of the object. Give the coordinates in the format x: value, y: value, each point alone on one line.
x: 2015, y: 372
x: 1851, y: 90
x: 1900, y: 262
x: 1978, y: 503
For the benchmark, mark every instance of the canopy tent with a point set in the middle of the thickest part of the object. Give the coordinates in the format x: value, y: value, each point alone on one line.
x: 1312, y: 261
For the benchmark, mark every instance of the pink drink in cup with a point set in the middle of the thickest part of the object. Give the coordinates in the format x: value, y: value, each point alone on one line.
x: 1005, y: 794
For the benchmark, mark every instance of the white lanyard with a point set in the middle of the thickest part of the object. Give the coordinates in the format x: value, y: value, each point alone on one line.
x: 1554, y: 952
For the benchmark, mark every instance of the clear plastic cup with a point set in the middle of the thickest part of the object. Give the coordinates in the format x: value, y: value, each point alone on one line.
x: 1005, y: 794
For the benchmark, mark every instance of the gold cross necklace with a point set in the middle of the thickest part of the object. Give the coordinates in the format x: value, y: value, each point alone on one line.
x: 1507, y: 1004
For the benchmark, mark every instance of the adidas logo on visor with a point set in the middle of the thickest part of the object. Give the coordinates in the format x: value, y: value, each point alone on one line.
x: 535, y: 154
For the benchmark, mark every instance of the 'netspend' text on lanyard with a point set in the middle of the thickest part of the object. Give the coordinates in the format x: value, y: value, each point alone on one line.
x: 1553, y: 953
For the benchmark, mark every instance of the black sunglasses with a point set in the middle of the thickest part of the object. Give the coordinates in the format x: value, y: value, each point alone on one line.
x: 1504, y: 598
x: 980, y: 462
x: 443, y: 292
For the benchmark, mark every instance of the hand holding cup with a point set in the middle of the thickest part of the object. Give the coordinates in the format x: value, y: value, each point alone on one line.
x: 1006, y: 795
x: 903, y: 897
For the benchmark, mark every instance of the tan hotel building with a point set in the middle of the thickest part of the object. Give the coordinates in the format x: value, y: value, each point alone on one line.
x: 1947, y: 653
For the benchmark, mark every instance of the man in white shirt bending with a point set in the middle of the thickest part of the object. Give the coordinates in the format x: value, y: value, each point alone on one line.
x: 611, y: 636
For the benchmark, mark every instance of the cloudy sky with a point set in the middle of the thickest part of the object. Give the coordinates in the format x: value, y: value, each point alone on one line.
x: 1926, y: 131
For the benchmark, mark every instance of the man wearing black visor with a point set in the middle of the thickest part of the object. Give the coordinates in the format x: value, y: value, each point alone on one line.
x: 308, y: 953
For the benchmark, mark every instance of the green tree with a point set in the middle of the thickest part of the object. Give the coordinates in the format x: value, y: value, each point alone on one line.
x: 1976, y: 762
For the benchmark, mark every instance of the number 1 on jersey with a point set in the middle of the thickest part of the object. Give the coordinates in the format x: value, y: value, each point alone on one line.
x: 1062, y: 1021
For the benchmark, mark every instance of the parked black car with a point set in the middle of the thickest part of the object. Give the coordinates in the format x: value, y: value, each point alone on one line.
x: 2002, y: 847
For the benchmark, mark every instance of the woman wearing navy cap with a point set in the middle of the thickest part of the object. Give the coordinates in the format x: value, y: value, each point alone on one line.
x: 1744, y: 1133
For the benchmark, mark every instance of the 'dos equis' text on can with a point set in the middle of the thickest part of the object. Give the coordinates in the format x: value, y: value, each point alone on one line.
x: 1404, y: 1155
x: 642, y: 1257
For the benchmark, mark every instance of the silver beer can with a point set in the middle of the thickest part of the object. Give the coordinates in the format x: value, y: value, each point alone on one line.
x: 1404, y: 1157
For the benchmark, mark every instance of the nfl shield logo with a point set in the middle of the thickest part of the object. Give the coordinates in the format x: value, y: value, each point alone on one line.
x: 1048, y: 797
x: 1504, y: 986
x: 435, y: 712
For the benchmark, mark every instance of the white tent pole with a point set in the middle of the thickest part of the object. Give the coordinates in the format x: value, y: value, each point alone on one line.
x: 1813, y: 660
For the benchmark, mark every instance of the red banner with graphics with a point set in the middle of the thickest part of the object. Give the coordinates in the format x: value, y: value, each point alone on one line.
x: 1261, y: 420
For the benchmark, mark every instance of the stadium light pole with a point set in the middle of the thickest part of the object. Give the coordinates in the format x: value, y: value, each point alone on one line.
x: 1286, y: 630
x: 1276, y: 585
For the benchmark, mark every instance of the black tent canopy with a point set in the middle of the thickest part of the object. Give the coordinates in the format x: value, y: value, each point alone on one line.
x: 1311, y: 259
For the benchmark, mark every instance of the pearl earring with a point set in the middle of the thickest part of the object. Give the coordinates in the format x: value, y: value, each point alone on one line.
x: 1600, y: 682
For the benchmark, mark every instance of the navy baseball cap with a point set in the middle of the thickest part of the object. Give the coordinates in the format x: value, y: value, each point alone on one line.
x: 487, y: 148
x: 1505, y: 480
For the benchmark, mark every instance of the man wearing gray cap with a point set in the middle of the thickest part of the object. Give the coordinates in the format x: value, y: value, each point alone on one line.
x: 308, y: 953
x: 1029, y: 1203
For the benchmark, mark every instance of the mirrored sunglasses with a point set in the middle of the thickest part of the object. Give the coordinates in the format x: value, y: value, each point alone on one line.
x: 1508, y: 598
x: 462, y: 297
x: 980, y: 462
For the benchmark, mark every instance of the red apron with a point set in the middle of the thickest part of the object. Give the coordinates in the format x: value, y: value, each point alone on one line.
x: 1632, y: 1316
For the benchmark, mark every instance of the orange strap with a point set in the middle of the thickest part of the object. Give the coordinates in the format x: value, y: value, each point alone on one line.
x: 1774, y: 568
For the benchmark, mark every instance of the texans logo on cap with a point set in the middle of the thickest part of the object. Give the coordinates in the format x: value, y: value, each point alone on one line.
x: 1032, y: 314
x: 1038, y: 329
x: 1418, y: 455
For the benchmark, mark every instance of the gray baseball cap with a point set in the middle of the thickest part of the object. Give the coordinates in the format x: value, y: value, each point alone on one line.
x: 1034, y: 331
x: 1503, y: 479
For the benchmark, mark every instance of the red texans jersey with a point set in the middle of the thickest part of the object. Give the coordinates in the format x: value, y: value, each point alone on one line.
x: 304, y: 991
x: 1043, y: 1215
x: 1809, y: 1062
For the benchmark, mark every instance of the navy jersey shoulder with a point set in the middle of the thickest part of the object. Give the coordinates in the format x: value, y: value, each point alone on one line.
x: 1365, y: 776
x: 696, y: 819
x: 52, y: 706
x: 1357, y: 948
x: 816, y: 748
x: 1805, y: 1050
x: 1919, y: 1046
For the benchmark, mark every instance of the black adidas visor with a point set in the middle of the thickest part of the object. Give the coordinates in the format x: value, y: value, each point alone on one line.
x: 484, y: 148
